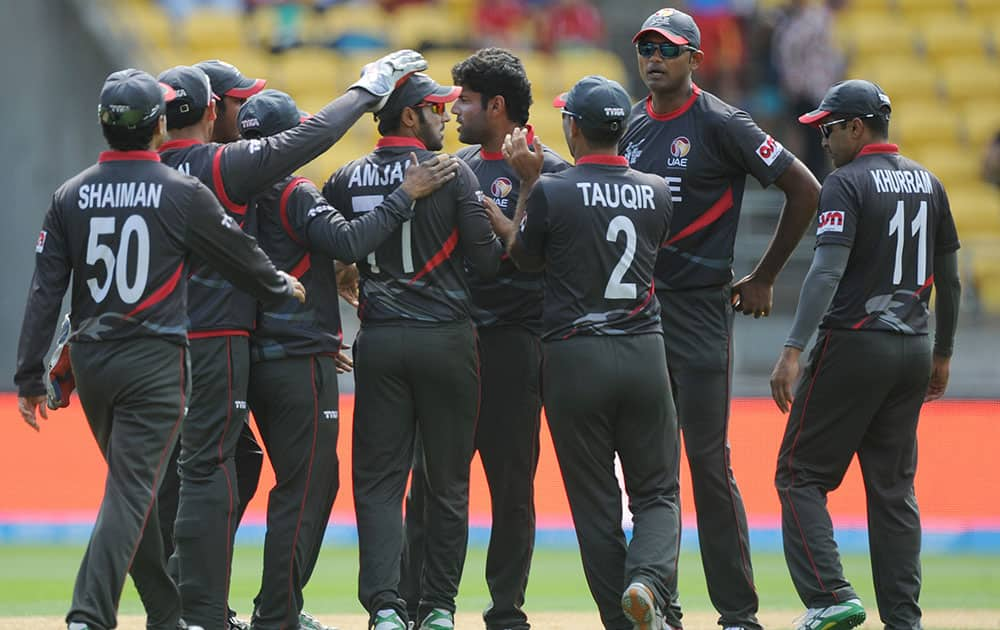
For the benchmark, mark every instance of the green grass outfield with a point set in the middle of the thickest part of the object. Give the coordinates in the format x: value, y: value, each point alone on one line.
x: 38, y: 580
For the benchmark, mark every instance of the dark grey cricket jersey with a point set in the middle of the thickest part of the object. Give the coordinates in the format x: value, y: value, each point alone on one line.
x: 416, y: 274
x: 124, y: 228
x: 599, y: 227
x: 895, y: 216
x: 237, y: 171
x: 513, y: 296
x: 704, y: 150
x: 303, y: 235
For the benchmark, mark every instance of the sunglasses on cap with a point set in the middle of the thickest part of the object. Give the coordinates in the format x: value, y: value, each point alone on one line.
x: 667, y: 50
x: 827, y: 128
x: 437, y: 108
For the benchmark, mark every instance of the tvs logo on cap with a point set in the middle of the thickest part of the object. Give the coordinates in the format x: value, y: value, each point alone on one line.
x: 250, y: 123
x: 40, y: 245
x: 831, y: 221
x: 679, y: 149
x: 501, y: 187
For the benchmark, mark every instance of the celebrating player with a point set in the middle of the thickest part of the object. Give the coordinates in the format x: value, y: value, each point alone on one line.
x: 415, y: 358
x: 597, y: 229
x: 221, y: 317
x: 124, y: 228
x: 293, y: 375
x: 885, y: 237
x: 705, y: 148
x: 507, y: 310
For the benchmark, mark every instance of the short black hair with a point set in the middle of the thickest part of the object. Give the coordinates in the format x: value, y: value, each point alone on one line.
x: 179, y: 120
x: 125, y: 139
x: 495, y: 71
x: 602, y: 137
x: 388, y: 125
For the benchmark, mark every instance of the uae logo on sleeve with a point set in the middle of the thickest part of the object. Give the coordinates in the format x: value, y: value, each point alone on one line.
x: 501, y: 187
x: 40, y: 245
x: 830, y: 221
x: 679, y: 149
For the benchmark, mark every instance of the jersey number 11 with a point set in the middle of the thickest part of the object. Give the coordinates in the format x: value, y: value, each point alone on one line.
x: 918, y: 228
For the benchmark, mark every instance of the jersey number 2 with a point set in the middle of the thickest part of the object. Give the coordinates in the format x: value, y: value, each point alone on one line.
x: 116, y: 265
x: 918, y: 228
x: 616, y: 289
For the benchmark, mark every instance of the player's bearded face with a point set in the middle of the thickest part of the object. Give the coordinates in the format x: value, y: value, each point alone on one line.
x: 471, y: 116
x: 431, y: 128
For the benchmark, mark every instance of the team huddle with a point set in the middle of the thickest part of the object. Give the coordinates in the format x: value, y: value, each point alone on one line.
x: 205, y: 285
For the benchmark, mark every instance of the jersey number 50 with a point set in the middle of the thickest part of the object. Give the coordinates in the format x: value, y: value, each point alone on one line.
x: 116, y: 265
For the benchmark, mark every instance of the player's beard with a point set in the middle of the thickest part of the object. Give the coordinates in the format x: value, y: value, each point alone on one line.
x: 431, y: 133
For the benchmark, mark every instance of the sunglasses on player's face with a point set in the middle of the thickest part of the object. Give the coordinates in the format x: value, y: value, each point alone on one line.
x: 667, y: 50
x: 827, y: 128
x: 437, y: 108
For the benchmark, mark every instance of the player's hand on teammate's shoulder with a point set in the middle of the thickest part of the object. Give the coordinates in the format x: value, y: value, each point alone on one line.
x: 784, y: 376
x: 527, y: 161
x: 298, y: 291
x: 26, y: 406
x: 752, y: 296
x: 503, y: 226
x: 422, y: 179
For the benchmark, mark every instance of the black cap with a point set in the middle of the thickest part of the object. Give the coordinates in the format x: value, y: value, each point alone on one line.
x: 268, y: 112
x: 132, y: 98
x: 678, y: 27
x: 596, y: 102
x: 854, y: 96
x: 227, y: 80
x: 418, y: 88
x: 191, y: 86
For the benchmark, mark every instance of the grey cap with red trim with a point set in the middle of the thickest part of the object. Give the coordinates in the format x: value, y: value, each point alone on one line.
x: 191, y: 86
x: 854, y: 96
x: 678, y: 27
x: 227, y: 80
x: 596, y: 102
x: 417, y: 88
x: 268, y: 112
x: 132, y: 98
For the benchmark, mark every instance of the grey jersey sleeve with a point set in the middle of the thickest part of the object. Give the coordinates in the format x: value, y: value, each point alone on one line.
x: 949, y: 292
x: 818, y: 289
x: 480, y: 245
x: 330, y: 234
x: 249, y: 167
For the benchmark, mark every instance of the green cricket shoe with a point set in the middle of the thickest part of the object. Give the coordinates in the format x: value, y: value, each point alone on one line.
x: 308, y: 622
x: 840, y: 616
x: 387, y: 619
x: 438, y: 619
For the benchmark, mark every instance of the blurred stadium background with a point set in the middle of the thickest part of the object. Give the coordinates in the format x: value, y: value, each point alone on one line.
x: 937, y: 59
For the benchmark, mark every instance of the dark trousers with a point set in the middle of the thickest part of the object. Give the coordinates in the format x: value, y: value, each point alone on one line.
x: 133, y: 393
x: 861, y: 393
x: 208, y: 500
x: 295, y: 403
x: 607, y: 395
x: 698, y: 326
x: 413, y: 380
x: 507, y: 441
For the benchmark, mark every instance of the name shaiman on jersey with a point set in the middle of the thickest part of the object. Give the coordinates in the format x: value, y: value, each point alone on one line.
x: 368, y: 174
x: 632, y: 196
x: 120, y: 195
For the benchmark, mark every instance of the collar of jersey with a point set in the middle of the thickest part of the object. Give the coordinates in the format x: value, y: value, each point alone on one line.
x: 606, y: 160
x: 400, y: 141
x: 117, y: 156
x: 695, y: 91
x: 498, y: 155
x: 179, y: 144
x: 868, y: 149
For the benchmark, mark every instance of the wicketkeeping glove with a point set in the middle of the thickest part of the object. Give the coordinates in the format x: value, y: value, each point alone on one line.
x: 59, y: 379
x: 381, y: 77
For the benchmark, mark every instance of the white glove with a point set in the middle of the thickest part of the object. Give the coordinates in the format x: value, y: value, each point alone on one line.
x: 381, y: 76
